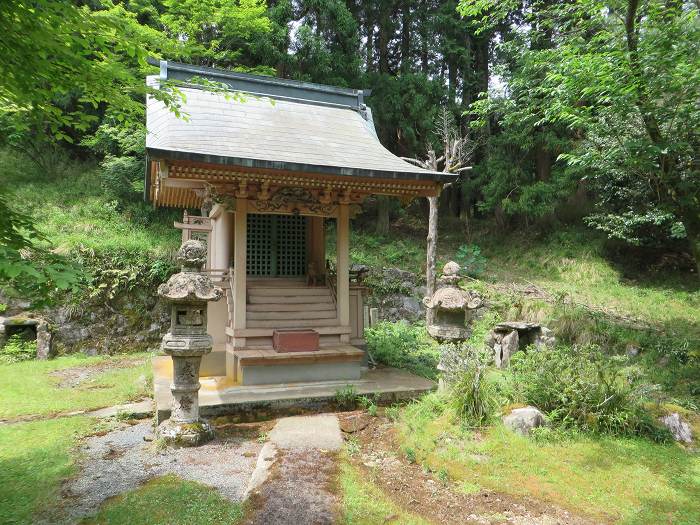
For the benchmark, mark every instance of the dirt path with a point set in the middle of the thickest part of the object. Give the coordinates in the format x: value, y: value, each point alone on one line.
x: 409, y: 486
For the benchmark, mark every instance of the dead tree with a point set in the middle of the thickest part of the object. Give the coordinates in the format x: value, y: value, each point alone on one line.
x: 457, y: 152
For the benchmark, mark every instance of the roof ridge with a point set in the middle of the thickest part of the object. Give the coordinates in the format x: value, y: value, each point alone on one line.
x: 269, y: 86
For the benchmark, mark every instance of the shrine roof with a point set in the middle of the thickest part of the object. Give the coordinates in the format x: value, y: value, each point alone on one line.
x: 279, y: 125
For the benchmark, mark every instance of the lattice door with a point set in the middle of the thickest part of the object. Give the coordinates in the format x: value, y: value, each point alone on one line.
x: 291, y: 245
x: 276, y: 245
x: 259, y: 259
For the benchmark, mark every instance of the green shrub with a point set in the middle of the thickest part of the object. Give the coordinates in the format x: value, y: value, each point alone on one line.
x: 471, y: 260
x: 346, y: 397
x: 580, y: 387
x: 403, y: 345
x: 473, y: 395
x: 121, y: 177
x: 17, y: 348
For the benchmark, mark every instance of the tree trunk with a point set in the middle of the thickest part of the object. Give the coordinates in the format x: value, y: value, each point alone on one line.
x: 406, y: 37
x: 383, y: 43
x: 431, y: 251
x: 383, y: 221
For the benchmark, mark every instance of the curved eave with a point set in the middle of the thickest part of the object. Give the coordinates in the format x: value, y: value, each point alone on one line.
x: 436, y: 176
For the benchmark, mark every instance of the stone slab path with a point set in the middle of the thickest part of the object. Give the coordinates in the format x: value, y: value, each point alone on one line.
x: 295, y: 473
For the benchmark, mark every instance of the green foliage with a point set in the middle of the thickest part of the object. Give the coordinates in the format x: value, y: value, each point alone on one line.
x: 27, y: 268
x: 579, y: 84
x: 64, y: 61
x: 17, y: 348
x: 410, y: 454
x: 470, y: 258
x: 473, y: 395
x: 403, y: 345
x: 368, y: 403
x: 216, y: 32
x: 346, y: 397
x: 598, y: 476
x: 580, y: 387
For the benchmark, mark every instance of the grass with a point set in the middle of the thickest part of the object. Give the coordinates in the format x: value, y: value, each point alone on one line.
x: 34, y: 457
x: 363, y: 503
x: 571, y: 262
x: 168, y: 500
x: 29, y: 388
x: 630, y: 481
x: 70, y: 208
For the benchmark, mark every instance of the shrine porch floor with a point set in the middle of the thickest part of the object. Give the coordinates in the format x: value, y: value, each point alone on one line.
x: 220, y: 396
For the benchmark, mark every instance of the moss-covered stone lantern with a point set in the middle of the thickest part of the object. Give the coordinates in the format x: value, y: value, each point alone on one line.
x: 187, y: 341
x: 453, y: 309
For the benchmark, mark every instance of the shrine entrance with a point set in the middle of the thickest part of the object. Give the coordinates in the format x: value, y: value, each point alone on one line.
x: 276, y: 245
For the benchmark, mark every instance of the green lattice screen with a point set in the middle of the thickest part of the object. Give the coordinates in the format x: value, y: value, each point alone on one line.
x: 276, y: 245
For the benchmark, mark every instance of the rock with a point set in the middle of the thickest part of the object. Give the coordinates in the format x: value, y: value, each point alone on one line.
x: 509, y: 326
x: 397, y: 274
x: 527, y: 334
x: 508, y: 346
x: 523, y: 420
x: 632, y: 350
x: 43, y: 341
x: 680, y: 429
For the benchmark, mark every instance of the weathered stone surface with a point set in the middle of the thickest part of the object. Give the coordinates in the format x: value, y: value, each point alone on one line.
x: 504, y: 343
x: 523, y: 420
x: 451, y: 268
x: 509, y: 326
x: 449, y: 298
x: 508, y: 346
x: 186, y: 286
x: 185, y: 434
x: 43, y: 341
x: 397, y: 274
x: 680, y: 429
x: 192, y: 255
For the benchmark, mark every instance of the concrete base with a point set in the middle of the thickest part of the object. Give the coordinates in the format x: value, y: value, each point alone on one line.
x: 276, y: 374
x: 220, y: 396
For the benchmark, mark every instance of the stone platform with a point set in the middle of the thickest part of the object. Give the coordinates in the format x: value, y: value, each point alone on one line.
x: 220, y: 396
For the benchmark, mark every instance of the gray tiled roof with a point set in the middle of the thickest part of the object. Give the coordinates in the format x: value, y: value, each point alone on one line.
x: 274, y: 133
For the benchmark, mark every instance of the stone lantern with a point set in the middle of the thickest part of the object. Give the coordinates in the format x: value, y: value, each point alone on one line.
x: 453, y: 309
x: 186, y: 342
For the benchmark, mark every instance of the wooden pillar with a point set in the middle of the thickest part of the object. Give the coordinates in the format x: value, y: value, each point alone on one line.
x: 239, y: 264
x: 317, y: 244
x: 343, y: 268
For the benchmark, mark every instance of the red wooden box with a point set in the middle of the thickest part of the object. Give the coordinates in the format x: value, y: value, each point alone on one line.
x: 295, y: 340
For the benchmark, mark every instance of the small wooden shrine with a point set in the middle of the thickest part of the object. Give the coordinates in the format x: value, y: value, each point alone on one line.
x: 271, y: 168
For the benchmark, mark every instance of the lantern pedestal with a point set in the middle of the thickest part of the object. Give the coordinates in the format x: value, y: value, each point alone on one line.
x: 185, y: 427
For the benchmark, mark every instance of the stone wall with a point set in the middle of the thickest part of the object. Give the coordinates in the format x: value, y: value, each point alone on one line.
x: 133, y: 321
